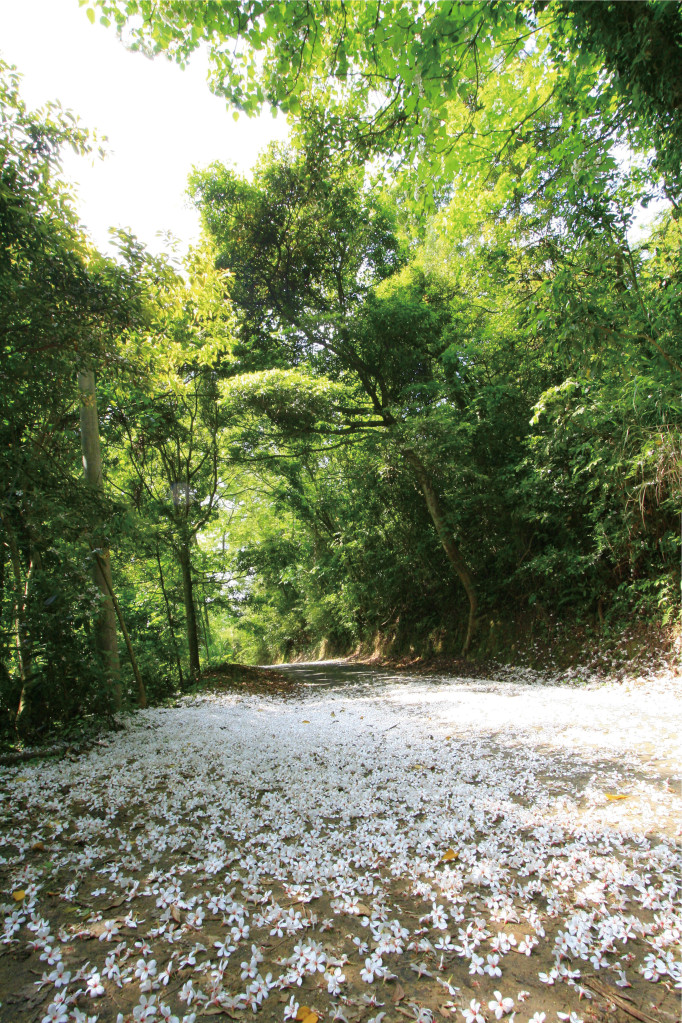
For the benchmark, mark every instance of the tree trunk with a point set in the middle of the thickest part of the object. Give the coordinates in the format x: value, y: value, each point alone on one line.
x: 190, y: 610
x: 26, y: 708
x: 24, y: 651
x: 169, y: 616
x: 141, y: 691
x: 19, y: 603
x: 445, y: 536
x: 5, y: 634
x: 105, y: 628
x: 207, y: 631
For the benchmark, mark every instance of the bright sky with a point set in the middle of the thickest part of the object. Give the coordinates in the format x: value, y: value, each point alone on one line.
x: 159, y: 121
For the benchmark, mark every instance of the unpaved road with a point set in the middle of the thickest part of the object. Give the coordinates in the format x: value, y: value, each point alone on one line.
x: 373, y: 847
x: 622, y: 736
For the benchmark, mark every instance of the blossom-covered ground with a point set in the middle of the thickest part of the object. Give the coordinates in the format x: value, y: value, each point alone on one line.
x: 373, y: 847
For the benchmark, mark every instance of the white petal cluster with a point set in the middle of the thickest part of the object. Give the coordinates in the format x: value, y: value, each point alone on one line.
x: 442, y: 834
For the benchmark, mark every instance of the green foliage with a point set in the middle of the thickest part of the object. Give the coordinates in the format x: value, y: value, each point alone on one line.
x: 440, y: 91
x: 641, y: 46
x: 63, y: 307
x: 64, y: 674
x: 461, y: 366
x: 57, y: 310
x: 417, y: 355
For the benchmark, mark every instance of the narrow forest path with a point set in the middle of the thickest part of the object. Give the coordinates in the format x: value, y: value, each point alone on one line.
x: 370, y: 847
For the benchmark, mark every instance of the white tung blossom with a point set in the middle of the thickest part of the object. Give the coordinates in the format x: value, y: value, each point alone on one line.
x: 464, y: 793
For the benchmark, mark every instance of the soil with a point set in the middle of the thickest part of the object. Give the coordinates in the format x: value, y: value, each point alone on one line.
x: 222, y: 797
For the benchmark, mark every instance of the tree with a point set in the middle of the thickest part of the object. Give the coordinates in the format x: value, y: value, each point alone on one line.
x: 62, y: 308
x: 107, y: 641
x: 640, y: 44
x: 176, y: 472
x: 411, y: 80
x: 308, y: 249
x: 173, y: 448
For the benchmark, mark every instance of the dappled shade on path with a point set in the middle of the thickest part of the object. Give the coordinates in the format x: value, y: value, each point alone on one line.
x: 374, y: 847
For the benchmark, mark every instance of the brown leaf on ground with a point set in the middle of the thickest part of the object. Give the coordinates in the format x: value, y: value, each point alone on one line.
x: 115, y: 904
x: 306, y: 1015
x: 404, y: 1012
x: 245, y: 678
x: 398, y: 994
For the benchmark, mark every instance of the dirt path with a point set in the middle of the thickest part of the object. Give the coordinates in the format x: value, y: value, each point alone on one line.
x: 373, y: 848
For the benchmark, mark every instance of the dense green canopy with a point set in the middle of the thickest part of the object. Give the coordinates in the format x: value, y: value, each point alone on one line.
x: 419, y: 387
x: 413, y: 80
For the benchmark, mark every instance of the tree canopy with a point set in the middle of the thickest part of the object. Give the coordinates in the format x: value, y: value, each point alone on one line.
x: 418, y: 387
x: 413, y: 81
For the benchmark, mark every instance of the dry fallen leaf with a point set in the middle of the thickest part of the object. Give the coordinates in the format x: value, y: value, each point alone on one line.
x: 112, y: 905
x: 398, y: 994
x: 304, y: 722
x: 38, y: 847
x: 449, y: 855
x: 613, y: 796
x: 19, y: 895
x: 175, y: 913
x: 306, y: 1015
